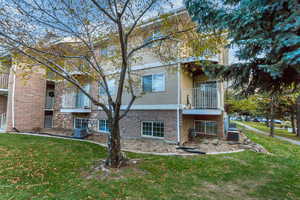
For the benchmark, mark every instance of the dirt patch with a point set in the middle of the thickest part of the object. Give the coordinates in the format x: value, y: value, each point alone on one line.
x: 100, y: 172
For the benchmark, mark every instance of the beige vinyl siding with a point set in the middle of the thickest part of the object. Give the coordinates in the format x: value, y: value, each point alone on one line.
x: 168, y: 96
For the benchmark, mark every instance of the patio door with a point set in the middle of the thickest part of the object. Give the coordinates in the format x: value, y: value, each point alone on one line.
x: 82, y: 101
x: 48, y: 121
x: 206, y: 127
x: 49, y: 99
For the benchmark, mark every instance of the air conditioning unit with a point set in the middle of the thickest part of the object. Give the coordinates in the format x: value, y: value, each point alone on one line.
x: 233, y: 136
x: 80, y: 133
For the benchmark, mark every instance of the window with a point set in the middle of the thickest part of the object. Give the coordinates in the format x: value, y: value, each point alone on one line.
x: 108, y: 51
x: 81, y: 123
x: 104, y: 126
x: 104, y: 52
x: 153, y: 83
x: 206, y: 127
x: 111, y: 88
x: 153, y: 128
x: 155, y: 35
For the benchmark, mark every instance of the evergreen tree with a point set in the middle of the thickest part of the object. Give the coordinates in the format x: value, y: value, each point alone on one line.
x: 266, y: 34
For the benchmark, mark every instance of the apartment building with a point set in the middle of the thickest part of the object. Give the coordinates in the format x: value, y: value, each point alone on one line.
x: 177, y: 99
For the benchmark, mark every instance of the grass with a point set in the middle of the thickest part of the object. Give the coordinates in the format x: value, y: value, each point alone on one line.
x: 280, y: 132
x: 46, y: 168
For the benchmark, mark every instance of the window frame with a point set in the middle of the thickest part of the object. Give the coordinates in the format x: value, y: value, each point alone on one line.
x: 80, y: 118
x: 111, y: 87
x: 110, y: 51
x: 152, y: 122
x: 106, y: 126
x: 154, y: 36
x: 164, y: 82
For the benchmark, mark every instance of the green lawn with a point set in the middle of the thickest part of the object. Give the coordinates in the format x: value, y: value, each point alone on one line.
x: 280, y: 132
x: 46, y: 168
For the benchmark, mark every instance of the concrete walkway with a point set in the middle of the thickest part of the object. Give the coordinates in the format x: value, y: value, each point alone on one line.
x: 265, y: 133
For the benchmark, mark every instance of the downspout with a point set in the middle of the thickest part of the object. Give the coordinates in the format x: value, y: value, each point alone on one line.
x: 13, y: 99
x: 178, y: 101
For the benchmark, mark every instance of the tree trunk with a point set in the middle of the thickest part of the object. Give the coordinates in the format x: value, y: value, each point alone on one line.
x: 298, y: 115
x: 272, y: 117
x: 115, y: 157
x: 293, y: 123
x: 267, y: 122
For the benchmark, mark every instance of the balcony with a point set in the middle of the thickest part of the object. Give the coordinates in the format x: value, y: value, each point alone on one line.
x: 76, y: 102
x: 4, y: 83
x: 204, y: 99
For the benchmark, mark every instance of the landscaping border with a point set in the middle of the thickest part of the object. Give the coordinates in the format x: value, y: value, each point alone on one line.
x: 127, y: 150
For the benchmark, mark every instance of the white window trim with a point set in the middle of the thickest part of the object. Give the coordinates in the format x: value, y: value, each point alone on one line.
x: 80, y: 118
x: 98, y: 128
x: 205, y: 126
x: 110, y: 83
x: 152, y: 74
x: 111, y: 51
x: 155, y: 35
x: 151, y: 136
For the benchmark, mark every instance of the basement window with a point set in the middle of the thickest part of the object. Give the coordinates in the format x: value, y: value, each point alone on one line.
x: 81, y: 123
x: 153, y: 129
x: 104, y: 126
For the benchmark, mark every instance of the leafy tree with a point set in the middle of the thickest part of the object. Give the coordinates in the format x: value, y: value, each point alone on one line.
x: 64, y: 36
x: 241, y: 106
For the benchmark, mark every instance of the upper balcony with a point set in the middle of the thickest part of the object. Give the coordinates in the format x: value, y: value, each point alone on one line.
x: 200, y: 95
x: 206, y: 98
x: 75, y: 101
x: 4, y: 84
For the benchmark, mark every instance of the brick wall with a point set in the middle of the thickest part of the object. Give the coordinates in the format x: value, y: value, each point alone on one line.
x: 130, y: 126
x: 29, y: 101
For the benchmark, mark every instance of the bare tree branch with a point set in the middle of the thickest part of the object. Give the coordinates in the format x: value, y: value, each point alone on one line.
x: 103, y: 10
x: 139, y: 18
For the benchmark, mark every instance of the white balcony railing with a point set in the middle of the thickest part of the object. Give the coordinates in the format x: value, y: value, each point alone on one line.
x: 4, y: 81
x: 75, y: 100
x: 3, y: 121
x: 203, y: 97
x: 49, y: 103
